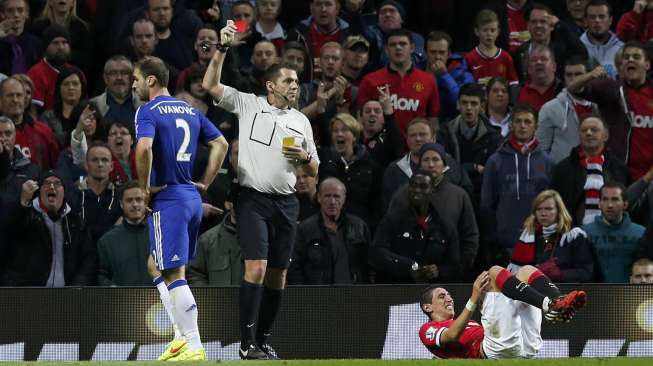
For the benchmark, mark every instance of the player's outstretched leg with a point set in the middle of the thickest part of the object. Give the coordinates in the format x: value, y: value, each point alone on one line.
x: 178, y: 344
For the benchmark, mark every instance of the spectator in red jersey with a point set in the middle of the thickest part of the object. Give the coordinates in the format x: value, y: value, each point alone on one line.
x: 546, y: 31
x: 551, y: 242
x: 268, y: 25
x: 513, y: 326
x: 44, y: 73
x: 487, y: 60
x: 412, y: 91
x: 579, y: 177
x: 513, y: 26
x: 557, y: 127
x: 450, y: 71
x: 412, y: 243
x: 626, y: 106
x: 321, y: 27
x: 34, y: 138
x: 498, y: 105
x: 356, y: 57
x: 20, y: 49
x: 637, y: 24
x: 542, y: 85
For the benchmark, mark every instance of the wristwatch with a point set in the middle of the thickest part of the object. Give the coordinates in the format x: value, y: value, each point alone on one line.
x: 222, y: 47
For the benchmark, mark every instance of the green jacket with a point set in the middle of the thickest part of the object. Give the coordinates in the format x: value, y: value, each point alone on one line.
x: 122, y: 255
x: 217, y: 261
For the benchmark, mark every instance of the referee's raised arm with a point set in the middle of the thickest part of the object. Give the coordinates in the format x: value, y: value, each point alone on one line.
x: 211, y: 81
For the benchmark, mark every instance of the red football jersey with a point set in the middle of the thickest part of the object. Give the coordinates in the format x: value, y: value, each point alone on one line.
x: 640, y: 112
x: 517, y: 28
x: 467, y: 346
x: 413, y: 95
x: 530, y: 95
x: 483, y: 66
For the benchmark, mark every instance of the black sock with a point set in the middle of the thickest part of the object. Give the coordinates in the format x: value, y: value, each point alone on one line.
x: 269, y: 309
x: 544, y: 285
x: 518, y: 290
x: 250, y: 301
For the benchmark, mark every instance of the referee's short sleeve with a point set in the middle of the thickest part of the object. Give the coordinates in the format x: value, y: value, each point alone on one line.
x: 145, y: 126
x: 232, y: 100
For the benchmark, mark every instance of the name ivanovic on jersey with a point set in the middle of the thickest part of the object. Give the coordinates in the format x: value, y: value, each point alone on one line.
x: 175, y: 109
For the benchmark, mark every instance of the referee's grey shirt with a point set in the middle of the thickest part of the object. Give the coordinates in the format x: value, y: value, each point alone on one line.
x: 262, y: 127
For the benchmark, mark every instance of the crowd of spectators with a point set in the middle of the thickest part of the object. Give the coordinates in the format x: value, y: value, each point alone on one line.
x: 453, y: 135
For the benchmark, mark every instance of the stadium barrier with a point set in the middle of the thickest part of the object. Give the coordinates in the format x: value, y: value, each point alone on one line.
x: 315, y: 322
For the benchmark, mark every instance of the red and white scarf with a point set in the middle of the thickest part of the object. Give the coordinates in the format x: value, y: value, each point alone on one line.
x: 593, y: 183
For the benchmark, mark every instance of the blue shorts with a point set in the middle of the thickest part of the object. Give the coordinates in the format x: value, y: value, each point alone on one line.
x: 174, y: 226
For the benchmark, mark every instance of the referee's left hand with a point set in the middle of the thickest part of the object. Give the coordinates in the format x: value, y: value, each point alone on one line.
x: 296, y: 153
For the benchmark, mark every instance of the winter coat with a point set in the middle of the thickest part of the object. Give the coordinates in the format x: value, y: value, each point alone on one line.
x: 449, y: 84
x: 313, y: 260
x: 557, y: 127
x: 510, y: 183
x: 218, y: 260
x: 569, y: 178
x: 122, y: 255
x: 14, y: 173
x: 615, y: 247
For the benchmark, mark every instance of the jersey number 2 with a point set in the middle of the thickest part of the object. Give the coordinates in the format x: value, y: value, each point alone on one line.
x: 182, y: 155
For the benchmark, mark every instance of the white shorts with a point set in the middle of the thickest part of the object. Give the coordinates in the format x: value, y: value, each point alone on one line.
x: 511, y: 327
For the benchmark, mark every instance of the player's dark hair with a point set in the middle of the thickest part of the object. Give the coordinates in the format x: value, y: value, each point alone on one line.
x: 154, y: 66
x: 574, y: 60
x: 437, y: 36
x: 521, y: 107
x: 399, y: 32
x: 426, y: 298
x: 472, y: 90
x: 599, y: 3
x: 614, y: 184
x: 129, y: 185
x: 537, y: 6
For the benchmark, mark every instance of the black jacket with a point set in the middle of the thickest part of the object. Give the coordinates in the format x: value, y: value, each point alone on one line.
x: 14, y: 172
x: 400, y: 241
x: 568, y: 178
x: 29, y: 250
x: 313, y: 261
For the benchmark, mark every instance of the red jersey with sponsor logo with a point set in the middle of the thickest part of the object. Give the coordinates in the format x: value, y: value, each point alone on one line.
x: 517, y: 28
x: 483, y: 66
x: 37, y: 142
x: 412, y: 95
x: 640, y: 111
x: 467, y: 346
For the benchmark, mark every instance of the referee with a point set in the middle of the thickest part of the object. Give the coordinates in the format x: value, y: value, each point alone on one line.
x: 274, y: 138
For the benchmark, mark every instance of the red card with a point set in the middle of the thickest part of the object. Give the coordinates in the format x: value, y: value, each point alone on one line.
x: 241, y: 26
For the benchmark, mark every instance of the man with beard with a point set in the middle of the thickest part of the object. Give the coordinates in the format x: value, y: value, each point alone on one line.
x: 602, y: 45
x: 169, y: 131
x: 117, y: 103
x: 44, y: 73
x: 626, y: 106
x: 172, y: 48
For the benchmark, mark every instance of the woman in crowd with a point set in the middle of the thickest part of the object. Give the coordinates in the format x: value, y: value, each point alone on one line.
x: 70, y: 89
x: 498, y: 104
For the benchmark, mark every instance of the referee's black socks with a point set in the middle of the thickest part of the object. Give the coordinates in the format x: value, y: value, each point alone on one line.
x: 269, y: 309
x: 250, y: 302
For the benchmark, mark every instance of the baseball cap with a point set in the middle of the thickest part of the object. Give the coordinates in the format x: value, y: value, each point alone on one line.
x: 352, y: 41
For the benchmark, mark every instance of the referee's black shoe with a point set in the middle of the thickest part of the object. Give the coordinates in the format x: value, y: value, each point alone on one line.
x: 268, y: 350
x: 252, y: 352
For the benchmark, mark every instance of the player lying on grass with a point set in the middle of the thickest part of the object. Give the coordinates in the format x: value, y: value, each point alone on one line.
x: 511, y: 318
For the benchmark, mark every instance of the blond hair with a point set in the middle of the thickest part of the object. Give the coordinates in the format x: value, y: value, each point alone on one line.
x: 349, y: 121
x: 48, y: 13
x: 485, y: 17
x: 563, y: 220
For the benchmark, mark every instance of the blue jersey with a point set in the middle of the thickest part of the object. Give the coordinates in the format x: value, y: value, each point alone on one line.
x: 176, y: 128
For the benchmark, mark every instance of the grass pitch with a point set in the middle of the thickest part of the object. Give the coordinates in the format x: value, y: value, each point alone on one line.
x: 616, y: 361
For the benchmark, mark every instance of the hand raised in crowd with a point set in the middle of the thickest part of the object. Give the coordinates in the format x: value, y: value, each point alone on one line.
x: 85, y: 122
x: 6, y: 27
x: 214, y: 12
x: 599, y: 73
x: 340, y: 85
x: 227, y: 33
x: 384, y: 98
x: 439, y: 67
x: 27, y: 192
x: 323, y: 96
x: 640, y: 6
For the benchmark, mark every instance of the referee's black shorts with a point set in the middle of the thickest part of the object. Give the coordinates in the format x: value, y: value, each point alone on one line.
x: 267, y: 226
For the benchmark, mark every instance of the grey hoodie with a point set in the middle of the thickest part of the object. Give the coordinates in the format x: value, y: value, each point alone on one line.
x: 557, y: 127
x: 603, y: 54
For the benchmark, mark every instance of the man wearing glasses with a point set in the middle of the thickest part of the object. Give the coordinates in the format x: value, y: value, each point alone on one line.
x: 117, y: 103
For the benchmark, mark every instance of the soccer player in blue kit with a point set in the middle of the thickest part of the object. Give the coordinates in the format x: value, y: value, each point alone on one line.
x: 168, y: 132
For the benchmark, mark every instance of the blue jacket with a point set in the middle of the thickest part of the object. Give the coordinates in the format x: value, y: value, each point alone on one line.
x: 449, y: 84
x: 510, y: 183
x: 615, y: 247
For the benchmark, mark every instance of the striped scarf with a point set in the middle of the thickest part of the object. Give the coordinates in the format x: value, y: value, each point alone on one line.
x: 524, y: 251
x: 593, y: 184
